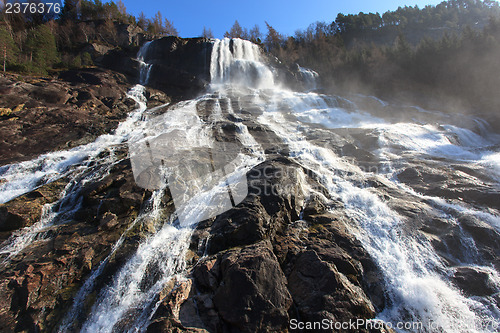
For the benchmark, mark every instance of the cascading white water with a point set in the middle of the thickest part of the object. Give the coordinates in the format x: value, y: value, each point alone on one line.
x: 68, y: 322
x: 132, y: 292
x: 144, y: 67
x: 309, y: 77
x: 81, y: 165
x: 237, y: 62
x: 417, y: 291
x: 20, y: 178
x: 165, y: 250
x: 415, y: 277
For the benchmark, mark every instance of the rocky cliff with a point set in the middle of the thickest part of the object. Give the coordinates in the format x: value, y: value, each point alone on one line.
x: 348, y: 215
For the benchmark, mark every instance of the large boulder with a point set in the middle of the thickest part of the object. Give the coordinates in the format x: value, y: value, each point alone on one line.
x: 263, y: 300
x: 273, y: 258
x: 129, y: 35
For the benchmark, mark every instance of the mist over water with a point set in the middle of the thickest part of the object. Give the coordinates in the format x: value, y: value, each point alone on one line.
x: 417, y: 279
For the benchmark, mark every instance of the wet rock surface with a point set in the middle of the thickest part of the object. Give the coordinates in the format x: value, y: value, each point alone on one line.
x: 181, y: 66
x: 38, y: 283
x: 275, y: 257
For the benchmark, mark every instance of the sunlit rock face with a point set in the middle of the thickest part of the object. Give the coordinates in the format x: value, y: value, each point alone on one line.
x: 253, y: 207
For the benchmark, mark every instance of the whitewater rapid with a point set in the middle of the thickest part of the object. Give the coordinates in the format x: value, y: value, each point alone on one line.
x: 416, y: 279
x: 166, y: 249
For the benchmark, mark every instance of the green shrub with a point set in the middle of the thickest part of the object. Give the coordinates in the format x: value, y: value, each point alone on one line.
x: 87, y: 59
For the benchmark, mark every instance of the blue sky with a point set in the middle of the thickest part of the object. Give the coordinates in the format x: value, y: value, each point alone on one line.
x: 286, y: 16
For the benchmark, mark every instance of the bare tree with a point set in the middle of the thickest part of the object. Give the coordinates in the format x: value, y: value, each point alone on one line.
x: 237, y: 31
x: 121, y: 8
x: 169, y: 29
x: 273, y: 38
x: 207, y: 33
x: 255, y: 34
x: 142, y: 21
x: 158, y: 23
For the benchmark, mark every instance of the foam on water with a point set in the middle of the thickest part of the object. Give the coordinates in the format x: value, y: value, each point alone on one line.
x: 20, y: 178
x: 410, y: 265
x: 309, y: 77
x: 132, y: 291
x: 491, y: 160
x: 313, y: 108
x: 445, y: 141
x: 449, y: 142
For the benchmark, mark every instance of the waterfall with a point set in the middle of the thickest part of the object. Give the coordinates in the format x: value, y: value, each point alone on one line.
x: 169, y: 149
x: 83, y: 164
x: 166, y: 249
x: 20, y: 178
x: 309, y: 77
x: 181, y: 154
x: 409, y: 263
x: 237, y: 62
x: 144, y: 67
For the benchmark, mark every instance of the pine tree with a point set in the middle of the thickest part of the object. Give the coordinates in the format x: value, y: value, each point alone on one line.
x: 41, y: 48
x: 8, y: 48
x: 71, y: 10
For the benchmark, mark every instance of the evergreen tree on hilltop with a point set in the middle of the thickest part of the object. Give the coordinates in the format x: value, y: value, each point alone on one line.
x: 41, y: 47
x: 8, y: 48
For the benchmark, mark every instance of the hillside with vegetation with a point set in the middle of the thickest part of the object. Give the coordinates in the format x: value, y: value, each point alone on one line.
x: 447, y: 53
x: 75, y: 36
x: 431, y: 56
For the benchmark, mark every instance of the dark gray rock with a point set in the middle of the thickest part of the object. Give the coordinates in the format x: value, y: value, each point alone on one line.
x: 52, y: 114
x: 474, y: 281
x: 253, y: 294
x: 181, y: 66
